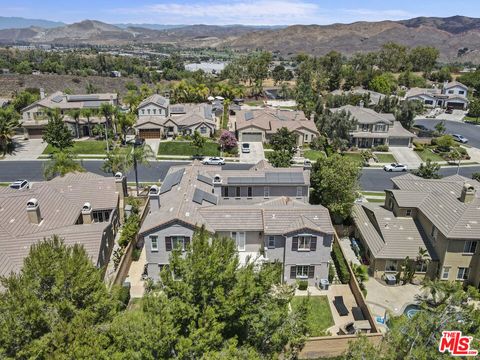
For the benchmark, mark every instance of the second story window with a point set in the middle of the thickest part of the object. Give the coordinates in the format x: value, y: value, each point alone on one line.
x: 461, y: 92
x: 148, y: 111
x: 304, y: 242
x: 154, y: 243
x: 143, y: 111
x: 364, y: 127
x: 154, y: 111
x: 380, y: 127
x: 271, y: 242
x: 249, y: 192
x: 225, y: 191
x: 470, y: 247
x: 237, y: 191
x: 299, y: 191
x: 266, y: 191
x: 462, y: 273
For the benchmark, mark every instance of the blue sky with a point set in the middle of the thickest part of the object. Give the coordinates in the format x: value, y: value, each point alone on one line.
x: 249, y: 12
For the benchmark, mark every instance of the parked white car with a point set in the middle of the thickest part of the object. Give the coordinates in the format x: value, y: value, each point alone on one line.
x: 20, y: 185
x: 245, y: 148
x: 460, y: 138
x: 395, y: 167
x: 214, y: 161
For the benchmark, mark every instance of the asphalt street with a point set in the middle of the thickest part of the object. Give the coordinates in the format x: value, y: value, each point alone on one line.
x: 470, y: 131
x: 370, y: 180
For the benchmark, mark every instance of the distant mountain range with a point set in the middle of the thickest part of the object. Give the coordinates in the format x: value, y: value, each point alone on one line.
x: 20, y: 23
x: 456, y: 37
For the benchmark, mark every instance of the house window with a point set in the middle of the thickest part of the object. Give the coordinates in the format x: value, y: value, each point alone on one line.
x: 408, y: 212
x: 239, y: 237
x: 390, y: 265
x: 461, y: 92
x: 101, y: 216
x: 445, y: 272
x: 364, y: 127
x: 154, y: 243
x: 470, y: 247
x: 203, y: 130
x: 249, y: 192
x: 299, y: 191
x: 450, y: 91
x: 302, y: 271
x: 434, y: 232
x: 462, y: 273
x: 225, y: 191
x: 148, y: 111
x: 271, y: 242
x: 237, y: 191
x: 304, y: 242
x: 428, y: 102
x: 266, y: 191
x: 154, y: 111
x: 306, y: 137
x: 421, y: 267
x: 178, y: 242
x: 380, y: 128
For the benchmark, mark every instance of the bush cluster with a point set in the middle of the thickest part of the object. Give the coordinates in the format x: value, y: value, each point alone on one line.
x: 302, y: 285
x: 130, y: 230
x: 381, y: 148
x: 340, y: 264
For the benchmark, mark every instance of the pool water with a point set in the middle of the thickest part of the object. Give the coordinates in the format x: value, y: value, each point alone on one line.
x: 411, y: 310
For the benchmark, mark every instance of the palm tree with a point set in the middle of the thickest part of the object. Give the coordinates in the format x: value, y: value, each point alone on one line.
x: 8, y: 123
x: 118, y: 160
x: 125, y: 123
x: 108, y: 111
x: 88, y: 113
x: 140, y: 155
x: 75, y: 115
x: 62, y: 163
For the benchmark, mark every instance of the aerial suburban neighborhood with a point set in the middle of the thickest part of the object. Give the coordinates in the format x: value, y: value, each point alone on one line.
x: 269, y: 190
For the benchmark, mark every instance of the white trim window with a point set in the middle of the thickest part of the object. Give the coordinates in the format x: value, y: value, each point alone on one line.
x: 445, y: 272
x: 153, y: 242
x: 302, y: 271
x: 240, y: 239
x: 462, y: 273
x: 271, y: 242
x: 470, y: 247
x: 421, y: 267
x: 390, y: 265
x: 299, y: 191
x: 178, y: 242
x: 304, y: 243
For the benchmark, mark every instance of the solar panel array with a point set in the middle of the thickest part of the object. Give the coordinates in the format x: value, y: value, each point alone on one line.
x: 177, y: 109
x: 200, y: 196
x: 82, y: 97
x: 282, y: 117
x: 204, y: 179
x: 248, y: 115
x: 92, y: 104
x: 57, y: 98
x: 207, y: 110
x: 171, y: 180
x: 270, y: 178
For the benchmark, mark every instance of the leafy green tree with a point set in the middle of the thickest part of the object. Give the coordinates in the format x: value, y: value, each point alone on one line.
x: 56, y: 132
x: 428, y: 170
x: 24, y: 68
x: 337, y: 127
x: 88, y: 113
x: 75, y: 115
x: 445, y: 142
x: 332, y: 62
x: 117, y: 160
x: 108, y: 112
x: 440, y: 127
x: 410, y: 80
x: 198, y: 141
x: 384, y: 83
x: 335, y: 184
x: 125, y: 122
x: 8, y: 123
x: 423, y: 58
x: 279, y: 159
x: 23, y: 99
x: 474, y: 108
x: 407, y: 111
x: 442, y: 75
x: 393, y: 57
x: 362, y: 349
x: 90, y: 88
x: 61, y: 163
x: 140, y: 155
x: 55, y: 306
x: 284, y: 140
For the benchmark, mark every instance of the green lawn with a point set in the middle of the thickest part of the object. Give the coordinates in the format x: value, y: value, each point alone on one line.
x: 254, y: 103
x: 385, y: 158
x: 428, y: 154
x: 354, y: 156
x: 373, y: 193
x: 374, y: 200
x: 319, y: 317
x: 185, y: 148
x: 84, y: 147
x: 313, y: 154
x: 472, y: 119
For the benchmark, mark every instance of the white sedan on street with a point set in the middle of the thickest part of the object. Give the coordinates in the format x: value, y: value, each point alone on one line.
x: 395, y: 167
x: 214, y: 161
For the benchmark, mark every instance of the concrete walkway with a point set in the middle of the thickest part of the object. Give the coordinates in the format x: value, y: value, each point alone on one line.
x: 137, y: 285
x: 346, y: 246
x: 406, y: 156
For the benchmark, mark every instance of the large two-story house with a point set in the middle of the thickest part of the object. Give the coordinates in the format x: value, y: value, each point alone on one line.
x: 157, y: 118
x: 441, y: 216
x: 452, y: 95
x: 81, y: 208
x: 34, y: 116
x: 374, y: 128
x: 265, y: 210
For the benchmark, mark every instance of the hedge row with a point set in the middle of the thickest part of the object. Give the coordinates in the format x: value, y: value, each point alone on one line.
x: 340, y: 263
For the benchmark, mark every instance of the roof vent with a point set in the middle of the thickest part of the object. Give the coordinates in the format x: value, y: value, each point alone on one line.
x: 468, y: 193
x: 33, y: 211
x: 217, y: 179
x: 154, y: 190
x: 87, y: 207
x: 32, y: 203
x: 118, y: 175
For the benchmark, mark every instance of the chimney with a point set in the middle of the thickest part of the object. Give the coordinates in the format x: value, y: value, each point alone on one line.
x: 468, y: 193
x: 33, y: 211
x: 121, y: 185
x: 312, y: 117
x: 87, y: 215
x: 217, y: 185
x: 154, y: 197
x: 42, y: 93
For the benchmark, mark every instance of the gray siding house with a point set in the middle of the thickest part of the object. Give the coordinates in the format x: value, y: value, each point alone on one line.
x: 265, y: 210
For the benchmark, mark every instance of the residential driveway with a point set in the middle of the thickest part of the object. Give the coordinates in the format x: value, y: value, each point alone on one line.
x: 254, y: 156
x: 456, y: 115
x: 26, y: 149
x: 154, y: 144
x: 406, y: 156
x: 470, y: 131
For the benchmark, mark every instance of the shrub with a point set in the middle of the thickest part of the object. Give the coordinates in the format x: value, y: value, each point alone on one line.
x: 381, y: 148
x: 418, y: 147
x: 129, y: 230
x: 302, y: 285
x: 476, y: 176
x: 331, y: 274
x: 340, y: 264
x: 123, y: 296
x: 136, y: 254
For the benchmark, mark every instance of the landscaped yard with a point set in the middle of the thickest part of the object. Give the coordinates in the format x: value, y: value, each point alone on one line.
x: 319, y: 317
x: 187, y: 149
x: 84, y: 147
x: 354, y: 156
x: 385, y: 158
x: 428, y: 154
x: 313, y: 154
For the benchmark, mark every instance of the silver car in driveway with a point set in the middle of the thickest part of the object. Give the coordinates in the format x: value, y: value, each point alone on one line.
x: 214, y: 161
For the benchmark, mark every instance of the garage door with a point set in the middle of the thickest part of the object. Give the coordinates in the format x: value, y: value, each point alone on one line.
x: 399, y: 141
x: 35, y: 133
x: 149, y: 133
x: 252, y: 137
x: 455, y: 105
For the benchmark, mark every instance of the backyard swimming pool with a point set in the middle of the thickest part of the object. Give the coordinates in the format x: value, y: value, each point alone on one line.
x: 411, y: 310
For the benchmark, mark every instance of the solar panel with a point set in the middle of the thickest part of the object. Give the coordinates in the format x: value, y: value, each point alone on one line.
x: 200, y: 196
x: 248, y: 116
x: 92, y: 104
x: 57, y: 98
x: 207, y: 110
x: 171, y: 180
x: 82, y: 97
x: 269, y: 178
x: 204, y: 179
x: 177, y: 109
